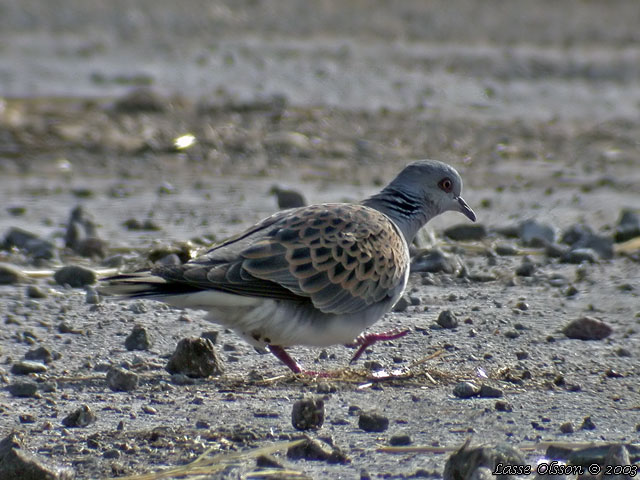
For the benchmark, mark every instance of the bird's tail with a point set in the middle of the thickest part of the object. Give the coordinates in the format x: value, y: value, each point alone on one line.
x: 140, y: 285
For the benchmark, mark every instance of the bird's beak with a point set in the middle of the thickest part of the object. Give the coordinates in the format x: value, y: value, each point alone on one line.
x: 464, y: 209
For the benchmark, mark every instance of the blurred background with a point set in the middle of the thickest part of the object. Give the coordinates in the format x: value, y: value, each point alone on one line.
x: 536, y: 103
x: 494, y: 58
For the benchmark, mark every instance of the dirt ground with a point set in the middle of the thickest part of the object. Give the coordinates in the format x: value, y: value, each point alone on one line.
x: 538, y: 107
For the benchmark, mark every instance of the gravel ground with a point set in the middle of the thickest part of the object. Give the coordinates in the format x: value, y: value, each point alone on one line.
x: 538, y: 108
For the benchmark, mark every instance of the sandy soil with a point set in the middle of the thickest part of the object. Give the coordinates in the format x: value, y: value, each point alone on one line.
x: 538, y: 108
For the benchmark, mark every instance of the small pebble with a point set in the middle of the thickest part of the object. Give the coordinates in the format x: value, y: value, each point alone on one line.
x: 211, y: 335
x: 466, y: 232
x: 487, y: 391
x: 27, y: 367
x: 112, y: 454
x: 506, y: 249
x: 466, y: 390
x: 140, y: 100
x: 581, y: 237
x: 23, y: 389
x: 628, y: 226
x: 287, y: 198
x: 587, y: 328
x: 202, y: 424
x: 29, y: 242
x: 522, y: 306
x: 41, y: 354
x: 135, y: 224
x: 18, y: 462
x: 166, y: 188
x: 502, y: 406
x: 64, y: 327
x: 435, y: 260
x: 402, y: 304
x: 587, y: 424
x: 75, y: 276
x: 325, y: 388
x: 580, y: 255
x: 622, y: 352
x: 91, y: 247
x: 268, y: 461
x: 566, y: 427
x: 399, y: 440
x: 138, y: 308
x: 373, y: 422
x: 354, y: 410
x: 92, y: 297
x: 27, y: 418
x: 447, y: 319
x: 308, y: 414
x: 535, y: 234
x: 312, y: 449
x: 10, y: 275
x: 121, y: 380
x: 555, y: 250
x: 571, y: 291
x: 195, y: 357
x: 16, y: 210
x: 526, y: 269
x: 138, y: 339
x: 81, y: 417
x: 618, y: 458
x: 482, y: 277
x: 471, y: 462
x: 373, y: 365
x: 114, y: 261
x: 33, y: 291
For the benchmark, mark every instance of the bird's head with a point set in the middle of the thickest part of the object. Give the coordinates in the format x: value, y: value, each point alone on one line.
x: 437, y: 184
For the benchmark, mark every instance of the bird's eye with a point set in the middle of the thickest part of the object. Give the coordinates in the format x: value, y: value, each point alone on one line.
x: 446, y: 185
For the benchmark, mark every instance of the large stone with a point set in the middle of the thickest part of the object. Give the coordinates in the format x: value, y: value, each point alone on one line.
x: 80, y: 417
x: 581, y: 236
x: 435, y: 260
x: 308, y: 414
x: 464, y: 231
x: 10, y: 275
x: 30, y: 243
x: 18, y: 464
x: 121, y: 380
x: 628, y: 226
x: 75, y: 276
x: 587, y: 328
x: 196, y: 358
x: 536, y: 234
x: 373, y: 422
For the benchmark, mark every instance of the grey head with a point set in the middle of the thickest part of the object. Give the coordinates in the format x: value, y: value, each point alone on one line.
x: 421, y: 191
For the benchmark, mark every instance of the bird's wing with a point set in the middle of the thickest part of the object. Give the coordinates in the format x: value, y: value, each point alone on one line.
x: 340, y: 257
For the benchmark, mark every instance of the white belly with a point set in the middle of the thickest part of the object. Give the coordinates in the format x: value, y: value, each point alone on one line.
x: 262, y: 321
x: 286, y: 324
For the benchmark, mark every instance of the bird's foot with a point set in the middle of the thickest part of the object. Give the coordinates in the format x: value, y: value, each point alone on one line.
x: 295, y: 367
x: 285, y: 358
x: 365, y: 341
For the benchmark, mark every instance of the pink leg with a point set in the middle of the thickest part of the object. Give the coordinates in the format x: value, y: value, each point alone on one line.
x: 365, y: 341
x: 284, y: 357
x: 295, y: 367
